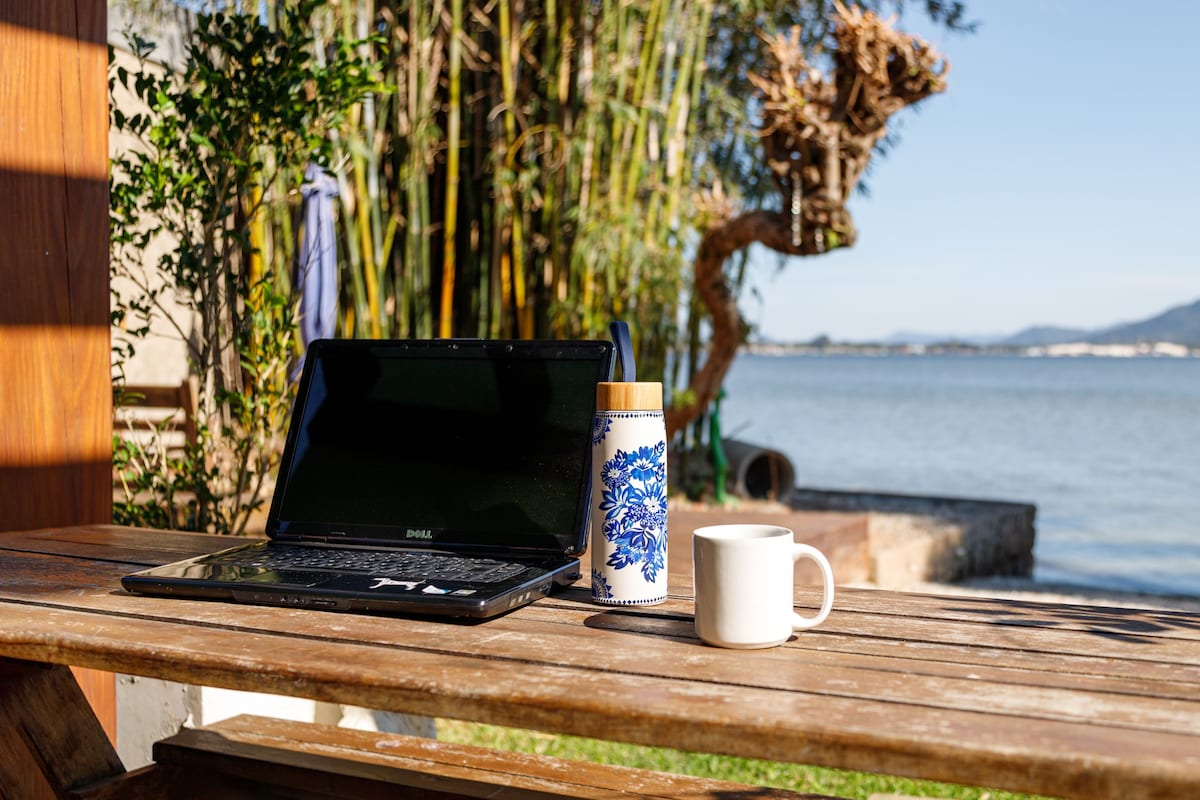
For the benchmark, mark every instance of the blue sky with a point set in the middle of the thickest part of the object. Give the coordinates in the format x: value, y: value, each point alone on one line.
x: 1055, y: 182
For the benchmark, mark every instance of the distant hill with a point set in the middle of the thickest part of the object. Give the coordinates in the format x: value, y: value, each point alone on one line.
x: 1180, y: 325
x: 1042, y: 335
x: 916, y: 337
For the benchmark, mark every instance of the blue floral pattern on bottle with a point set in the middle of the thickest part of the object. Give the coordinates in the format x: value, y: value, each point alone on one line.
x: 600, y: 587
x: 634, y: 501
x: 600, y: 429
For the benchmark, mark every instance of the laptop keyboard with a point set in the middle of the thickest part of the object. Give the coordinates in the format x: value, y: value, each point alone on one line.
x: 397, y: 565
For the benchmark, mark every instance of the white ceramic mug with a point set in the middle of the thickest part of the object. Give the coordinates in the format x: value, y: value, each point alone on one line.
x: 744, y: 585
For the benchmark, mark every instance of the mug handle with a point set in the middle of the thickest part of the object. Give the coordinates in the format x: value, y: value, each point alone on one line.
x: 800, y: 551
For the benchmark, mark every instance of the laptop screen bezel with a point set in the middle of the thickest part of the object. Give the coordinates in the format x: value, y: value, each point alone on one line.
x: 569, y: 543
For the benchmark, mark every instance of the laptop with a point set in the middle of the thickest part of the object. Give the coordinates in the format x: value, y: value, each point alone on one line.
x: 442, y: 477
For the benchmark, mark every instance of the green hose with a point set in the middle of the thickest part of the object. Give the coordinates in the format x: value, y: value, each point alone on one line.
x: 720, y: 461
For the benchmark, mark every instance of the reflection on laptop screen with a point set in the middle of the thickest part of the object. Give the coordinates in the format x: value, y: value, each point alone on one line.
x: 450, y: 445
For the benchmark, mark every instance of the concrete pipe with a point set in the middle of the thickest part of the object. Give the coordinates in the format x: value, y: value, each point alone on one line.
x: 759, y: 472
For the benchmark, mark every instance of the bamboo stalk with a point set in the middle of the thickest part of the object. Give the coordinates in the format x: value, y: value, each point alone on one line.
x: 584, y: 204
x: 615, y: 13
x: 510, y: 47
x: 686, y: 97
x: 551, y: 210
x: 369, y: 267
x: 423, y: 300
x: 453, y: 135
x: 369, y: 145
x: 642, y: 89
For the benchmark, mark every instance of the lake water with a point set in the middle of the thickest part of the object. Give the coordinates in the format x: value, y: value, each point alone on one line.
x: 1107, y: 448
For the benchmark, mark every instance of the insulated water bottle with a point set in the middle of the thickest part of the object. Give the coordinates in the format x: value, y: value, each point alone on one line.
x: 629, y: 495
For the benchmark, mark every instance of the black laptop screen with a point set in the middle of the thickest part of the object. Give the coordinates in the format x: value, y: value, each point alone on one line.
x: 450, y: 444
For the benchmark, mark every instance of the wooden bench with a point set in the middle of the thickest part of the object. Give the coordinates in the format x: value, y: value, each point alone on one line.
x: 145, y: 410
x: 160, y: 422
x: 261, y: 757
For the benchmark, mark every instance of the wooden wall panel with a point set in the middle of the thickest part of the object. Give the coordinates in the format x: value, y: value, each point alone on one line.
x: 55, y: 384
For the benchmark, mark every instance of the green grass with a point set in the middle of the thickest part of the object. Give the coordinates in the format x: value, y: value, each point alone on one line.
x: 819, y: 780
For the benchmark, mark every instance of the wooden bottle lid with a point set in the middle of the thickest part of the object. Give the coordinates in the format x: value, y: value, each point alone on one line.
x: 640, y: 396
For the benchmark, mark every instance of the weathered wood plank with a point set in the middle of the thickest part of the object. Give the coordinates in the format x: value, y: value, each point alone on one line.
x: 93, y: 588
x: 875, y: 626
x: 973, y: 662
x: 974, y: 747
x: 336, y: 762
x: 137, y: 547
x: 1124, y: 700
x: 1131, y: 698
x: 925, y: 645
x: 960, y: 675
x: 1134, y: 624
x: 144, y: 548
x: 869, y: 613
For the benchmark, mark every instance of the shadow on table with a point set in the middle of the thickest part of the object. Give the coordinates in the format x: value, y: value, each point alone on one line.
x: 1118, y: 624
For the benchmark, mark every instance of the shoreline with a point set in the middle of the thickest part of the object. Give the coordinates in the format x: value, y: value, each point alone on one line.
x: 1152, y: 350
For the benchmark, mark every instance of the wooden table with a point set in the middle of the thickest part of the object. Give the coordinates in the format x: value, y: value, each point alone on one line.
x: 1058, y: 699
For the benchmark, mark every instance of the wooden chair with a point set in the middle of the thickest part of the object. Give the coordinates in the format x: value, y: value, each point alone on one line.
x: 172, y: 411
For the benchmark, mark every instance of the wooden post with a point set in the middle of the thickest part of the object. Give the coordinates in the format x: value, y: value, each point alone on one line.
x: 55, y: 381
x: 51, y: 742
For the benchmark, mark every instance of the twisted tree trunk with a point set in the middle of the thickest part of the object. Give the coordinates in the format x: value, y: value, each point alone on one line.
x: 771, y: 228
x: 818, y: 135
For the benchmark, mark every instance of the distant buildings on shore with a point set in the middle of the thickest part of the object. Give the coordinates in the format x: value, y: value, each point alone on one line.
x: 823, y: 346
x: 1174, y: 333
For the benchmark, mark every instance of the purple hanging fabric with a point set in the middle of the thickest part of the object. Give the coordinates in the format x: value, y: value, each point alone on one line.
x: 317, y: 262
